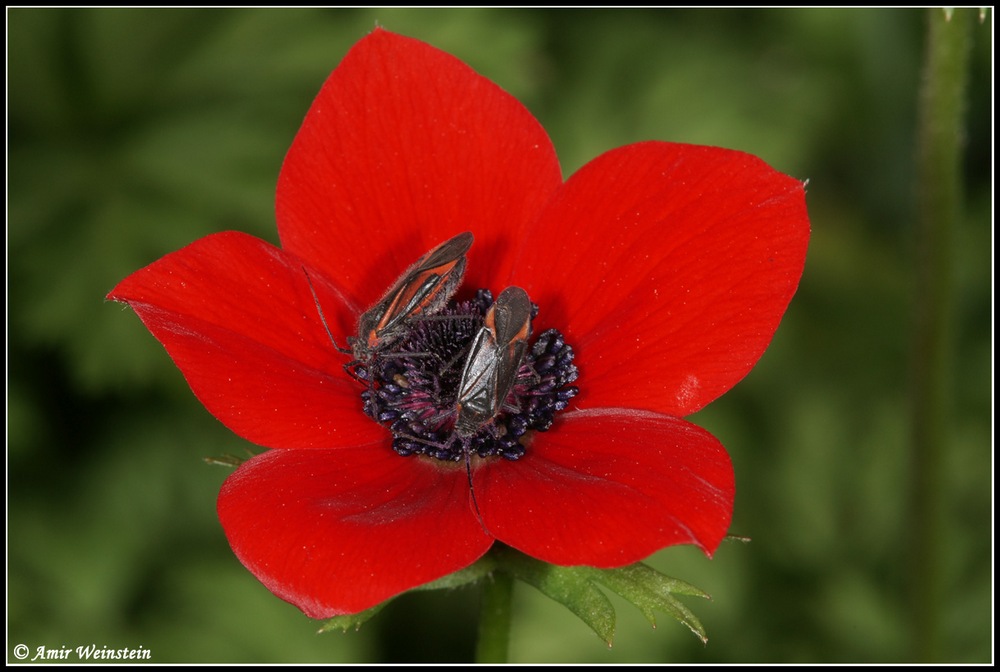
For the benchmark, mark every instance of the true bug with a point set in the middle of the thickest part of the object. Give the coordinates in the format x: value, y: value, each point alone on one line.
x: 422, y: 290
x: 493, y: 361
x: 491, y: 369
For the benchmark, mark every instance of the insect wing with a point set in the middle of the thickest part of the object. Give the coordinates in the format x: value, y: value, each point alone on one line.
x: 475, y: 391
x: 423, y: 289
x: 512, y: 326
x: 510, y: 317
x: 494, y: 359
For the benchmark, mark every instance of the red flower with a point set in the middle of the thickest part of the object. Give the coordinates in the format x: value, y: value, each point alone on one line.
x: 666, y: 267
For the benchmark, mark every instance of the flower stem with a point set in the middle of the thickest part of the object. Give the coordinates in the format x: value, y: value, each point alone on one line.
x: 940, y: 134
x: 494, y: 621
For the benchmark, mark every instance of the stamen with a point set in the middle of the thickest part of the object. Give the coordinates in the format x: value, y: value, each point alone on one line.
x: 414, y: 387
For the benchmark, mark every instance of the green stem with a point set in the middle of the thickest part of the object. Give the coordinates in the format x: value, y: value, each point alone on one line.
x: 494, y: 621
x: 938, y: 206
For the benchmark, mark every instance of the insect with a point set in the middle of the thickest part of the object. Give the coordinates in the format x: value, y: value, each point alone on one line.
x: 493, y: 361
x: 491, y: 369
x: 422, y: 290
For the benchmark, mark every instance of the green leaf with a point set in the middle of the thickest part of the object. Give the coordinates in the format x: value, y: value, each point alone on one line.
x: 576, y: 588
x: 228, y: 459
x: 572, y: 587
x: 477, y: 571
x: 224, y: 460
x: 352, y: 621
x: 650, y: 590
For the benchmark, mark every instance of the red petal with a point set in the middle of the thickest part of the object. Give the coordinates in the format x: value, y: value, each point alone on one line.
x: 608, y: 487
x: 336, y: 532
x: 238, y: 318
x: 668, y: 268
x: 404, y: 147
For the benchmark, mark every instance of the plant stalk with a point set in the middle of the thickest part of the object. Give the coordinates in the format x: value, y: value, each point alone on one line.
x: 940, y: 139
x: 494, y: 621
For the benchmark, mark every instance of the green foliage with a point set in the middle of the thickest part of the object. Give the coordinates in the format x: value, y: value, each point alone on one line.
x: 132, y: 132
x: 652, y: 591
x: 576, y: 588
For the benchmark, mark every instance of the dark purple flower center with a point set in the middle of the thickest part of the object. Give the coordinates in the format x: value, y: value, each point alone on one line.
x: 413, y: 387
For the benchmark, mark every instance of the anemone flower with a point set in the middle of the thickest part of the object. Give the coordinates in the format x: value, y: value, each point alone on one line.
x: 658, y: 274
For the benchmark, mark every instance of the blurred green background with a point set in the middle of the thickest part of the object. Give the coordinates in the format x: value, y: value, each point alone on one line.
x: 134, y: 132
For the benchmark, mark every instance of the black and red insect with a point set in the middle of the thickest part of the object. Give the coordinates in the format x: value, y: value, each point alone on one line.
x: 490, y: 370
x: 421, y: 291
x: 493, y: 362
